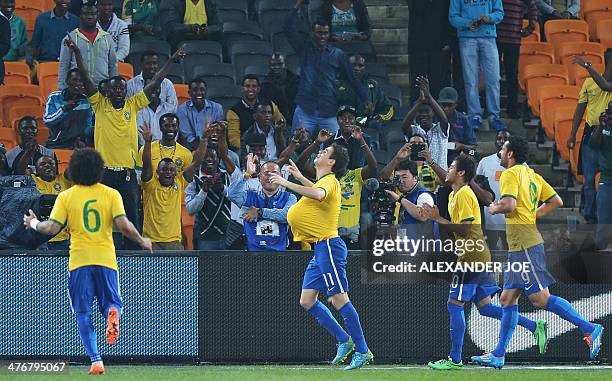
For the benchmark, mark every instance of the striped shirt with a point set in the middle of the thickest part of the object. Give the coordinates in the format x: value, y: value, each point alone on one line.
x: 509, y: 30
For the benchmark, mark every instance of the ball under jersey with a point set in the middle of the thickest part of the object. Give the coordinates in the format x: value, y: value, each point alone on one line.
x: 463, y: 207
x: 528, y: 189
x: 312, y: 220
x: 89, y: 212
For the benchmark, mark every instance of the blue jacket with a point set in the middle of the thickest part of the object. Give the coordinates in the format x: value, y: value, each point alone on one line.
x: 415, y: 228
x: 66, y: 126
x: 462, y: 12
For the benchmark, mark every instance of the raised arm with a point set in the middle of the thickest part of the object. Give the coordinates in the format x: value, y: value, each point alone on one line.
x: 370, y: 169
x: 290, y: 28
x: 303, y: 161
x: 163, y: 73
x: 90, y: 87
x: 283, y: 157
x: 598, y: 78
x: 423, y: 83
x: 198, y: 156
x: 147, y: 163
x: 222, y: 149
x: 403, y: 153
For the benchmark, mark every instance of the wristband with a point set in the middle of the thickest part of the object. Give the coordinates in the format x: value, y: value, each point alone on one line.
x: 34, y: 223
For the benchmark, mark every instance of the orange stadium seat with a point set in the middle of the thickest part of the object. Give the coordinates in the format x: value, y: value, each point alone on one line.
x: 590, y: 51
x: 563, y: 119
x: 535, y: 36
x: 553, y: 97
x: 182, y: 93
x: 17, y: 112
x: 534, y: 53
x: 49, y: 4
x: 593, y: 22
x: 16, y: 73
x: 8, y: 137
x: 559, y: 31
x: 187, y: 222
x: 63, y: 158
x: 13, y: 95
x: 582, y: 75
x: 538, y: 75
x: 604, y: 29
x: 28, y: 10
x: 47, y: 73
x: 126, y: 71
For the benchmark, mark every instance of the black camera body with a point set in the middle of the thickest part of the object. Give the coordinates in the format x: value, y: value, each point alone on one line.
x: 383, y: 207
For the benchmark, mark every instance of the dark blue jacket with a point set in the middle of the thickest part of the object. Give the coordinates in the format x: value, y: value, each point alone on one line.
x: 416, y: 228
x: 319, y: 70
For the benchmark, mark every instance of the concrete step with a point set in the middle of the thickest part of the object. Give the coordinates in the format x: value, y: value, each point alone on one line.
x: 399, y: 79
x: 559, y: 216
x: 571, y: 198
x: 374, y: 3
x: 391, y: 48
x: 395, y: 36
x: 391, y: 23
x: 394, y: 62
x: 381, y: 13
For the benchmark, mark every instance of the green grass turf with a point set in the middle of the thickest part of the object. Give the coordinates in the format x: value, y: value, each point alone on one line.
x: 316, y: 373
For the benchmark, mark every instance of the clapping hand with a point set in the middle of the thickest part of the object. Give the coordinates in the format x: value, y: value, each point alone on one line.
x: 429, y: 212
x: 251, y: 165
x: 357, y: 134
x: 147, y: 134
x: 324, y: 135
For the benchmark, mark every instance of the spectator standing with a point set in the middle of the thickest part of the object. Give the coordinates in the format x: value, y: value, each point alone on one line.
x: 347, y: 120
x: 460, y: 132
x: 149, y: 64
x: 50, y: 29
x: 429, y: 43
x: 197, y: 113
x: 422, y: 115
x: 556, y: 10
x: 48, y: 181
x: 68, y: 115
x: 509, y: 34
x: 383, y: 109
x: 475, y: 23
x: 272, y: 132
x: 26, y: 154
x: 19, y: 37
x: 98, y: 47
x: 281, y: 85
x: 264, y: 211
x: 115, y: 135
x: 117, y: 28
x: 142, y: 17
x: 149, y: 116
x: 491, y: 168
x: 593, y: 100
x: 5, y: 43
x: 601, y: 140
x: 320, y: 65
x: 240, y: 116
x: 188, y: 19
x: 348, y: 19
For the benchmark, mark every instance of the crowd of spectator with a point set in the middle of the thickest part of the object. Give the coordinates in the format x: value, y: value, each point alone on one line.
x: 215, y: 163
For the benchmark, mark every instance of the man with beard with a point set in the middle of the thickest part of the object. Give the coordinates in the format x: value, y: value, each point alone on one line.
x: 197, y: 113
x: 383, y: 109
x: 281, y: 85
x: 162, y: 193
x: 150, y: 115
x: 68, y: 115
x: 149, y: 65
x: 27, y: 153
x: 99, y: 50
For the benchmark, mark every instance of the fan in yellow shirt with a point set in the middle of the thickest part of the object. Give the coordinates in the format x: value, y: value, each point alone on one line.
x: 49, y: 182
x: 162, y: 194
x: 314, y: 218
x: 89, y: 209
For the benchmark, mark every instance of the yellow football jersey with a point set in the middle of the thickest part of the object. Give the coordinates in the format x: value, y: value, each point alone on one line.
x: 596, y: 99
x: 528, y: 189
x: 162, y: 209
x: 463, y: 207
x: 350, y: 185
x: 182, y: 156
x: 60, y: 184
x: 89, y: 212
x: 116, y: 132
x: 312, y: 220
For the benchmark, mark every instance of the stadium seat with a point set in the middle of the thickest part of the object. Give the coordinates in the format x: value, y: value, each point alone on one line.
x: 394, y: 94
x: 182, y: 93
x: 582, y: 75
x: 126, y: 71
x: 201, y: 52
x: 8, y: 137
x: 248, y: 53
x: 538, y: 75
x: 533, y: 37
x: 49, y: 4
x: 232, y: 10
x: 588, y: 8
x: 378, y: 72
x: 604, y: 30
x: 552, y: 97
x: 177, y: 74
x: 270, y: 12
x: 374, y: 135
x: 594, y: 20
x: 575, y: 154
x: 590, y: 51
x: 63, y: 158
x: 220, y: 73
x: 226, y: 96
x: 162, y: 48
x: 187, y: 223
x: 563, y: 119
x: 382, y: 157
x: 28, y: 10
x: 13, y: 95
x: 364, y: 48
x: 17, y: 112
x: 234, y: 32
x: 16, y: 73
x: 393, y: 133
x: 259, y: 70
x: 560, y: 31
x: 47, y: 73
x: 534, y: 53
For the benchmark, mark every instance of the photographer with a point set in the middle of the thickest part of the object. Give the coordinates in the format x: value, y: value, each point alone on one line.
x: 601, y: 140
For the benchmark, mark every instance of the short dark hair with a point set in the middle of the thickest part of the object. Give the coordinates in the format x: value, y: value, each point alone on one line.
x: 197, y: 80
x: 519, y: 147
x: 467, y: 164
x: 408, y: 165
x: 86, y: 167
x: 116, y: 78
x: 165, y: 160
x: 271, y: 162
x: 357, y: 56
x: 27, y: 118
x: 321, y: 22
x: 608, y: 56
x: 169, y: 115
x: 341, y: 156
x: 262, y: 102
x: 250, y: 76
x: 147, y: 53
x: 503, y: 130
x: 72, y: 71
x: 90, y: 3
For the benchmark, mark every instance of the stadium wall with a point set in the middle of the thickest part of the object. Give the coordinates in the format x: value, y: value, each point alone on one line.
x: 234, y: 307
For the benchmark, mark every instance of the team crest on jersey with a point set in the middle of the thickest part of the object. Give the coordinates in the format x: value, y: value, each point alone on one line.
x: 179, y: 162
x: 175, y: 187
x: 57, y: 187
x: 127, y: 115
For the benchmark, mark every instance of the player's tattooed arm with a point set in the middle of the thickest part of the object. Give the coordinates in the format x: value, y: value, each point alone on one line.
x: 45, y: 227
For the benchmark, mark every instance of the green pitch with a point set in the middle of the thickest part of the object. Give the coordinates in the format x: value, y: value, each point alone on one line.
x: 326, y: 373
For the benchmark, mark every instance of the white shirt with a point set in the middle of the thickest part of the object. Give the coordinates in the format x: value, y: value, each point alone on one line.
x: 425, y: 198
x: 491, y: 168
x: 167, y: 93
x: 271, y: 153
x: 437, y: 140
x: 150, y: 117
x: 118, y: 30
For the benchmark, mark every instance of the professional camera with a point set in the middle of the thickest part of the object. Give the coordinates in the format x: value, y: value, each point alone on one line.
x: 383, y: 208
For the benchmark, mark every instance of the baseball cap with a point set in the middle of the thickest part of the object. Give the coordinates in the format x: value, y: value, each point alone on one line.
x: 345, y: 108
x: 448, y: 95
